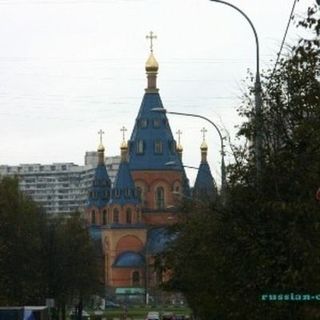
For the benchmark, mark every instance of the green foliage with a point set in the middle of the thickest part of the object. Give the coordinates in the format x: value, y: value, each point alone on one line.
x: 40, y: 257
x: 266, y: 240
x: 72, y: 267
x: 21, y: 229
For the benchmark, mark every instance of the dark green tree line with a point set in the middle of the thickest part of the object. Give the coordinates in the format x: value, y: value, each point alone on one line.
x: 42, y: 257
x: 262, y: 240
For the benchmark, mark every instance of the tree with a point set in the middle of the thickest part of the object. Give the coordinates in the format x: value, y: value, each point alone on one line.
x: 72, y: 268
x: 21, y: 231
x: 262, y: 241
x: 41, y: 257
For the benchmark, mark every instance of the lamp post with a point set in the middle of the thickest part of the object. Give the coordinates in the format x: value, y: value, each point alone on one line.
x: 223, y: 166
x: 146, y: 276
x: 173, y: 163
x: 258, y: 99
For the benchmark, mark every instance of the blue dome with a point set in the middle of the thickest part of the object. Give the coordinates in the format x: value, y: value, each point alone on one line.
x: 99, y: 193
x: 129, y: 259
x: 205, y: 185
x: 151, y: 144
x: 123, y: 191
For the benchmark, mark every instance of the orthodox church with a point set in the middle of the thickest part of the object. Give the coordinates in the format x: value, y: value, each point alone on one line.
x: 128, y: 219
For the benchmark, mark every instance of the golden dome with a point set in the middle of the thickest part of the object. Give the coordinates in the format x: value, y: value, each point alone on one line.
x: 124, y: 145
x: 101, y: 148
x: 204, y: 146
x: 152, y: 64
x: 179, y: 148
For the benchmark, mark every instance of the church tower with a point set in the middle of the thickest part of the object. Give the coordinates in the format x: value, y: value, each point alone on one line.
x: 125, y: 234
x: 151, y: 148
x: 99, y: 194
x: 205, y: 186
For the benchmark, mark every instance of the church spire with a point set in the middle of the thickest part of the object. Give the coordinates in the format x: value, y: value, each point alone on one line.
x: 123, y: 191
x: 101, y: 149
x: 124, y: 145
x: 99, y: 193
x: 205, y: 186
x: 179, y: 146
x: 204, y: 146
x: 152, y: 66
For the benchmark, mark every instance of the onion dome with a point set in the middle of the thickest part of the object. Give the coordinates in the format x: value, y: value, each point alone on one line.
x: 179, y: 147
x: 99, y: 193
x: 205, y: 186
x: 152, y: 145
x: 152, y: 64
x: 124, y: 191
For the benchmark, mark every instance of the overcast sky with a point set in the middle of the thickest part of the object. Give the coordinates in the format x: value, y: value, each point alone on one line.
x: 71, y: 67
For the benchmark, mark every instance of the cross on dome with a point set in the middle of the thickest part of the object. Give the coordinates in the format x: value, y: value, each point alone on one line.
x: 123, y: 130
x: 100, y: 132
x: 204, y: 130
x: 179, y: 133
x: 150, y: 37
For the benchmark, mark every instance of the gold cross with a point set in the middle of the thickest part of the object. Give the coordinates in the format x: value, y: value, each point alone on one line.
x: 151, y: 36
x: 204, y: 130
x: 100, y: 132
x: 179, y: 133
x: 123, y: 129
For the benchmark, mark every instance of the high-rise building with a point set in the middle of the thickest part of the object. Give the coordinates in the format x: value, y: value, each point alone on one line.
x: 59, y: 188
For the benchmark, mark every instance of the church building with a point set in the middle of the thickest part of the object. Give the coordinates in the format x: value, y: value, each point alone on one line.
x: 128, y: 219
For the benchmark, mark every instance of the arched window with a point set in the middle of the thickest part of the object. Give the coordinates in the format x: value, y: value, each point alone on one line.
x: 140, y: 194
x: 160, y: 198
x: 156, y: 123
x: 135, y: 278
x: 115, y: 215
x: 93, y: 217
x: 158, y: 149
x: 176, y: 187
x: 140, y: 146
x: 143, y: 123
x: 104, y: 217
x: 129, y: 216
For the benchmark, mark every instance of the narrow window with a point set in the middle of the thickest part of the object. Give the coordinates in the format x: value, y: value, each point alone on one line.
x: 158, y: 147
x: 139, y: 194
x: 115, y: 215
x: 143, y: 123
x: 139, y: 147
x: 160, y: 198
x: 104, y: 217
x: 93, y: 217
x: 156, y: 123
x: 117, y: 193
x: 136, y: 278
x: 129, y: 216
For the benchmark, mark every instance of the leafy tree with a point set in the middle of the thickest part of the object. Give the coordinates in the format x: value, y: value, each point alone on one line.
x: 266, y: 240
x: 21, y: 230
x: 72, y: 268
x: 41, y: 257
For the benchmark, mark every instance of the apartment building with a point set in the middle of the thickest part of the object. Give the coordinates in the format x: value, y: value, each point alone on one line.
x: 59, y: 188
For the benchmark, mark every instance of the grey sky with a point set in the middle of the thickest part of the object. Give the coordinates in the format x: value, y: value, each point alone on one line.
x: 71, y: 67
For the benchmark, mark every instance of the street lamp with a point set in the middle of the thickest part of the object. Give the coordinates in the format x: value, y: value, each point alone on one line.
x: 223, y: 167
x: 173, y: 163
x: 258, y: 99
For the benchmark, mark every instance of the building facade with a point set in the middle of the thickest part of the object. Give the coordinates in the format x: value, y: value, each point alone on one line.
x: 130, y: 217
x: 59, y: 188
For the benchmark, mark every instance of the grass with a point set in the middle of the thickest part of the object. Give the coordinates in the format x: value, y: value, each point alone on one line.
x: 140, y: 312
